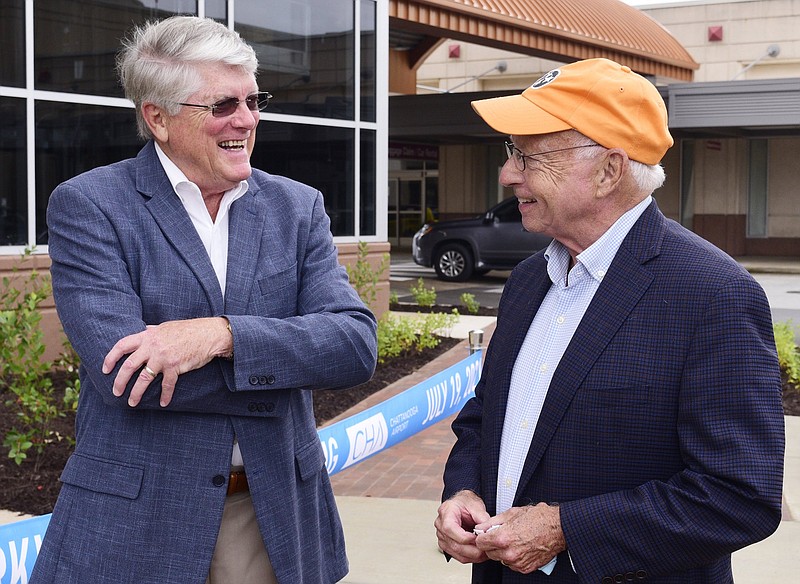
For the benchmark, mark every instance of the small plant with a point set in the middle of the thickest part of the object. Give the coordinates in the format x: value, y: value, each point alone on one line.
x: 468, y: 300
x: 363, y: 277
x: 399, y: 336
x: 425, y: 297
x: 393, y: 298
x: 788, y: 355
x: 23, y: 372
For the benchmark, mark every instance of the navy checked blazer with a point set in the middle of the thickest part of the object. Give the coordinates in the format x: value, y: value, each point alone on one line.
x: 143, y: 493
x: 661, y: 436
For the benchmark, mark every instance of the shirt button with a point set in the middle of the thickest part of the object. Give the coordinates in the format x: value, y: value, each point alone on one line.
x: 543, y: 367
x: 524, y: 424
x: 601, y: 273
x: 508, y: 483
x: 560, y: 320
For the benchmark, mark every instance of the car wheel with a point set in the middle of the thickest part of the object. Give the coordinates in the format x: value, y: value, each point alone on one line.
x: 453, y: 263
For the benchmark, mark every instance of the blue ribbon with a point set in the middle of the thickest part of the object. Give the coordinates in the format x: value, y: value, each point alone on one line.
x: 345, y: 443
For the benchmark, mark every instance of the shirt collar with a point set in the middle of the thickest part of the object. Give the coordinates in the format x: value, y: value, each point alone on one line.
x: 184, y: 187
x: 597, y: 258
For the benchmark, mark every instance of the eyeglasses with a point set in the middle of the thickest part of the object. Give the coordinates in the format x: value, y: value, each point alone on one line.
x: 225, y: 107
x: 519, y: 156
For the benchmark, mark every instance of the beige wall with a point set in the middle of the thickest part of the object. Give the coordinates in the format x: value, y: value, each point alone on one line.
x: 748, y: 28
x: 462, y: 180
x: 784, y: 209
x: 720, y: 179
x: 17, y: 272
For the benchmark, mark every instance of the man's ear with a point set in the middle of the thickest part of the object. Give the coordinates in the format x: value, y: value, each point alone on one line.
x: 156, y: 119
x: 611, y: 173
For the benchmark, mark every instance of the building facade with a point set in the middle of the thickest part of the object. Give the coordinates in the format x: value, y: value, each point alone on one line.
x: 730, y: 175
x: 62, y: 110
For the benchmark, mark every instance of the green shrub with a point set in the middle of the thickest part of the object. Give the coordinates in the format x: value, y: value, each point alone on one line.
x: 425, y: 297
x: 788, y: 355
x: 398, y: 336
x: 363, y: 277
x: 24, y: 375
x: 468, y: 300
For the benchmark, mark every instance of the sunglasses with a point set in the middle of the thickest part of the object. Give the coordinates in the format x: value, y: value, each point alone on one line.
x: 225, y: 107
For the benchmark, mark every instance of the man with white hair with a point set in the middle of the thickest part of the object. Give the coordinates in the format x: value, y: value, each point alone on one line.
x: 628, y: 423
x: 204, y: 299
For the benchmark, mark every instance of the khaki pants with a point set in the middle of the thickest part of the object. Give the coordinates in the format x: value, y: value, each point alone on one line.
x: 240, y: 555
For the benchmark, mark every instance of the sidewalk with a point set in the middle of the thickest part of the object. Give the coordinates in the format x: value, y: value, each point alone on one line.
x: 388, y: 504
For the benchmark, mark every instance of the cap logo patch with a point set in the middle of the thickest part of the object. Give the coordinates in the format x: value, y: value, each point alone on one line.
x: 546, y: 79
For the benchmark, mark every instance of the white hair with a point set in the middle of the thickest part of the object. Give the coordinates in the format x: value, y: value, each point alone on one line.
x: 159, y: 61
x: 647, y: 177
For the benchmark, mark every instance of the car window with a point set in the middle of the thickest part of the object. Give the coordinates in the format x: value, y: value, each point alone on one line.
x: 508, y: 214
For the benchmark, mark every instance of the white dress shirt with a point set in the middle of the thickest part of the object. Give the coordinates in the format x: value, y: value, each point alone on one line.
x: 213, y: 234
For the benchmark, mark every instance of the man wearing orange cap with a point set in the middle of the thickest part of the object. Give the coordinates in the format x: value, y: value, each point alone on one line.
x: 628, y: 424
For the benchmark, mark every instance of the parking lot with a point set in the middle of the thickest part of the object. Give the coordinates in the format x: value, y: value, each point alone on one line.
x: 780, y: 279
x: 405, y: 273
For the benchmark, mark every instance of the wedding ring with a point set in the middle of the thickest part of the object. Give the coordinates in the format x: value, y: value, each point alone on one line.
x: 503, y: 562
x: 152, y: 373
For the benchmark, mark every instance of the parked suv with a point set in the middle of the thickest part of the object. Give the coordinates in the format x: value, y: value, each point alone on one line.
x: 495, y: 240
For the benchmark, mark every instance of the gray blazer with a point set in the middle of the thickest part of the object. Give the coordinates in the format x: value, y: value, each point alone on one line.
x: 143, y: 493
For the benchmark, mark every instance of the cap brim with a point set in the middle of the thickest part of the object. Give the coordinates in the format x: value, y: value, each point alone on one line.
x: 516, y: 115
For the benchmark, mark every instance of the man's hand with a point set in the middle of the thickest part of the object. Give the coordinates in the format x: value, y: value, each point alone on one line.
x: 529, y: 537
x: 456, y: 518
x: 171, y: 348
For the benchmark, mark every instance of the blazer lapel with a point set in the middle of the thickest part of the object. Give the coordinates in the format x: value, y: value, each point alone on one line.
x: 622, y: 288
x: 247, y: 221
x: 174, y: 222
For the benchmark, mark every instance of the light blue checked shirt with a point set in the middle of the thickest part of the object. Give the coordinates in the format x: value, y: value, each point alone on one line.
x: 547, y: 339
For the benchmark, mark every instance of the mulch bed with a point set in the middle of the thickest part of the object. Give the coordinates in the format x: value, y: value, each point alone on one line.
x: 33, y: 486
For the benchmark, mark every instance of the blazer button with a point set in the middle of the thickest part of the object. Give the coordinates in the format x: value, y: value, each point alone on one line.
x: 253, y: 380
x: 252, y: 407
x: 270, y: 379
x: 262, y: 380
x: 607, y: 580
x: 619, y: 579
x: 270, y: 407
x: 262, y: 407
x: 218, y: 481
x: 641, y: 575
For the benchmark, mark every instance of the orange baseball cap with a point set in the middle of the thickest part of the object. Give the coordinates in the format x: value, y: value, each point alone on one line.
x: 599, y: 98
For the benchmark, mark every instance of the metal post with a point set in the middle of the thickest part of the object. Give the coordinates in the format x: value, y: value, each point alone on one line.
x: 475, y: 341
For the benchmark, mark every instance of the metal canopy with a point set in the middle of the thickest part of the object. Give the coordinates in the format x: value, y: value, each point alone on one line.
x: 561, y: 30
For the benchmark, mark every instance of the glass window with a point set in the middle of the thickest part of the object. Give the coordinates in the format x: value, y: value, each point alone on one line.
x: 71, y: 139
x: 12, y: 33
x: 218, y: 10
x: 318, y: 156
x: 368, y: 184
x: 368, y: 59
x: 76, y: 42
x: 305, y: 52
x: 13, y: 171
